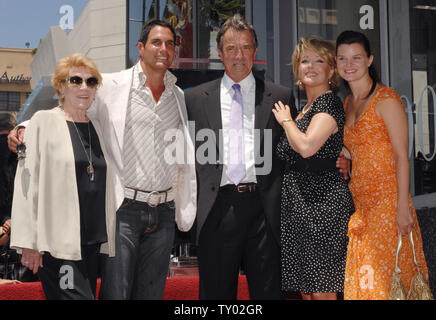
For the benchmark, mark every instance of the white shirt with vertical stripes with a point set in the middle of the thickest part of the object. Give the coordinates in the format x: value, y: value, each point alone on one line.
x: 147, y: 121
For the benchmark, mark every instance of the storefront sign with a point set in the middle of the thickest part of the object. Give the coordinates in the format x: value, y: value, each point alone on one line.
x: 329, y: 16
x: 14, y: 79
x: 317, y: 16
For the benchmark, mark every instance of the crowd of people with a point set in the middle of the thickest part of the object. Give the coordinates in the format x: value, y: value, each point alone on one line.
x: 94, y: 177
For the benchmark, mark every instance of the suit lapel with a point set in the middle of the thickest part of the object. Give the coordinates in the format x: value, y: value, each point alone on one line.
x: 213, y: 106
x: 263, y: 107
x: 212, y: 109
x: 120, y: 99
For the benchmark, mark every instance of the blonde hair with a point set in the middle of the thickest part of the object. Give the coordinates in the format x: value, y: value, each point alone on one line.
x: 325, y: 49
x: 64, y: 66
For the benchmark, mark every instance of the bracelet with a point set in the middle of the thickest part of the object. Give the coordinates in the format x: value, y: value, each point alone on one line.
x: 286, y: 120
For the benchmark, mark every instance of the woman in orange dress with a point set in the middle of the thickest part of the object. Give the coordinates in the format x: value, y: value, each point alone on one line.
x: 376, y: 136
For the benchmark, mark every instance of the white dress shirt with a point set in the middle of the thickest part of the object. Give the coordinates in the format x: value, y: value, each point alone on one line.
x: 248, y: 91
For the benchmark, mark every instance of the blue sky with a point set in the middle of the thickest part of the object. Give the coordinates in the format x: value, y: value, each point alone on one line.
x: 24, y: 21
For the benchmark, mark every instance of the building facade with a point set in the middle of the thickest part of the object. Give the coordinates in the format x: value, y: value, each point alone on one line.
x: 401, y: 34
x: 15, y: 78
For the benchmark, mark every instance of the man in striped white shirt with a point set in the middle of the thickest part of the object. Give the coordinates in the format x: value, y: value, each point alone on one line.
x: 138, y: 107
x: 147, y: 121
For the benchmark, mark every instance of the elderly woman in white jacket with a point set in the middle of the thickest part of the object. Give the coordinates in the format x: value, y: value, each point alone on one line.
x: 62, y: 215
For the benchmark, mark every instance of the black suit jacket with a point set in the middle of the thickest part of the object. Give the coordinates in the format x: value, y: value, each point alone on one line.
x: 204, y: 107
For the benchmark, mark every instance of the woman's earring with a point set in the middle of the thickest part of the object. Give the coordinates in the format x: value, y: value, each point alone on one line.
x: 300, y: 84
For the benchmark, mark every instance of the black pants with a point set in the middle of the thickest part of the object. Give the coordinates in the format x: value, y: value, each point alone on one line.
x: 70, y: 280
x: 235, y: 232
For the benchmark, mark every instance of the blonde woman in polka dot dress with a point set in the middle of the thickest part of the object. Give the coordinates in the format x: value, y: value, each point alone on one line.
x: 316, y: 203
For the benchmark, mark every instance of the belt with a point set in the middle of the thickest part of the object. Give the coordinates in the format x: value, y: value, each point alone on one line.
x: 313, y: 165
x: 152, y: 198
x: 246, y: 187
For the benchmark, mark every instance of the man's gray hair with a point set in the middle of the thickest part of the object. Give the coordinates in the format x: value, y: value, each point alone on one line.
x: 236, y: 23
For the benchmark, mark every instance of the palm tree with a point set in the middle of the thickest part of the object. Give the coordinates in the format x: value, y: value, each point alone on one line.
x: 216, y: 12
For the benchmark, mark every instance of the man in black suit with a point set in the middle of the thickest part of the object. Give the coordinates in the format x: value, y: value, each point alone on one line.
x: 238, y: 215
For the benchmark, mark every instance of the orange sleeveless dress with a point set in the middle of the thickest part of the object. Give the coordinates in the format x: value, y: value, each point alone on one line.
x: 372, y: 228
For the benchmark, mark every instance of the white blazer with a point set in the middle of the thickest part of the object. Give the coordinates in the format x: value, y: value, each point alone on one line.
x: 109, y: 110
x: 45, y: 207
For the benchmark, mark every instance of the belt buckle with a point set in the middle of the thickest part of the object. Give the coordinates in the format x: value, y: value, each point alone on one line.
x: 148, y: 199
x: 242, y: 188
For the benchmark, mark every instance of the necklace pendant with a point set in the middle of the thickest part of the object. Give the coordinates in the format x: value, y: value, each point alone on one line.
x: 90, y: 171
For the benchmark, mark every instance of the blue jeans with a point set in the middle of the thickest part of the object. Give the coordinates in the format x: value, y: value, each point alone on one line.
x: 144, y: 240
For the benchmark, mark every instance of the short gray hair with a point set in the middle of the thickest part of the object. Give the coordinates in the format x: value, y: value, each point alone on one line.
x: 236, y: 23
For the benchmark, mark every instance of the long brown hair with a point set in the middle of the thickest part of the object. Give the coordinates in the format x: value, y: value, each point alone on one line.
x: 349, y: 37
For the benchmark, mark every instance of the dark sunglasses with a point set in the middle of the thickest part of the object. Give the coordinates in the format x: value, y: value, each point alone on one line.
x: 77, y: 81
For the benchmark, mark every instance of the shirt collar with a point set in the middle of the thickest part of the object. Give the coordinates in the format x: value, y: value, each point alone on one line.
x: 139, y: 77
x: 246, y: 84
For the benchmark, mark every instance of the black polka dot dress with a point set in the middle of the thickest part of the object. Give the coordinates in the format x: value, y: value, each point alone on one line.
x: 315, y: 209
